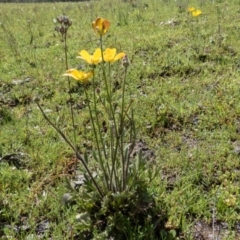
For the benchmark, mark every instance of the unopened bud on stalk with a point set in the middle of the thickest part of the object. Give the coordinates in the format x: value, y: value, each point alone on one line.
x: 98, y: 90
x: 125, y: 61
x: 64, y: 20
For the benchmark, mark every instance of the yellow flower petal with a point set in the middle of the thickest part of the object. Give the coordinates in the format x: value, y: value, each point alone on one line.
x: 109, y: 55
x: 196, y: 13
x: 191, y: 9
x: 97, y: 56
x: 110, y: 51
x: 79, y: 75
x: 85, y: 56
x: 91, y: 59
x: 101, y: 26
x: 119, y: 56
x: 106, y: 25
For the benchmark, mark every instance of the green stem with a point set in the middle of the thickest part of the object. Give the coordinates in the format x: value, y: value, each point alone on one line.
x: 132, y: 140
x: 121, y: 130
x: 110, y: 82
x: 112, y: 138
x: 97, y: 119
x: 69, y: 87
x: 78, y: 155
x: 95, y: 131
x: 111, y: 115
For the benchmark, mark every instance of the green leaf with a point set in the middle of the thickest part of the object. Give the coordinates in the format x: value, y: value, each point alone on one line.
x: 83, y: 221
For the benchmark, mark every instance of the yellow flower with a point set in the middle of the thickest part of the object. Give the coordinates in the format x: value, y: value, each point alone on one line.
x: 101, y: 26
x: 79, y: 75
x: 196, y: 13
x: 191, y: 9
x: 91, y: 59
x: 109, y: 55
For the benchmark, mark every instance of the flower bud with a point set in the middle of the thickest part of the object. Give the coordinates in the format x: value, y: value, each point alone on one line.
x: 125, y: 61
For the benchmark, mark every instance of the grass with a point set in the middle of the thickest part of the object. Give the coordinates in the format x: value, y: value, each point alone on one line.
x: 184, y: 79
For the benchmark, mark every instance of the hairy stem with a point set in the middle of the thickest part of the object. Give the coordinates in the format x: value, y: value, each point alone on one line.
x: 78, y: 155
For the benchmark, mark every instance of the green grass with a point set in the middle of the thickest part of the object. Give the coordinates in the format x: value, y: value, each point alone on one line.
x: 184, y: 80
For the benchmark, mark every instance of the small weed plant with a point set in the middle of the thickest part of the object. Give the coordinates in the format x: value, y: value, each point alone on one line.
x: 141, y: 132
x: 112, y: 191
